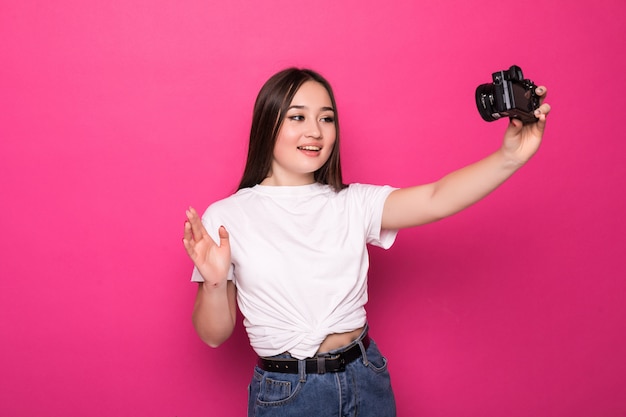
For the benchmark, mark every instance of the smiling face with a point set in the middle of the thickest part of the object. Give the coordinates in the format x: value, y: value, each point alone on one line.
x: 305, y: 139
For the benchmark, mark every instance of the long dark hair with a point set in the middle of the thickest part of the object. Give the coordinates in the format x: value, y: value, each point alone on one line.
x: 269, y: 112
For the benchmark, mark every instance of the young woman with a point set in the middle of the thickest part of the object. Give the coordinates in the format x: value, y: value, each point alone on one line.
x: 289, y: 249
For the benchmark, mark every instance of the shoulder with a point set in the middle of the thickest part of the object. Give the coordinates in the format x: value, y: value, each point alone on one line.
x: 229, y: 203
x: 368, y: 191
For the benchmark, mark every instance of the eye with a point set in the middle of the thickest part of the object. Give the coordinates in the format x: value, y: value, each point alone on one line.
x: 296, y: 117
x: 328, y: 119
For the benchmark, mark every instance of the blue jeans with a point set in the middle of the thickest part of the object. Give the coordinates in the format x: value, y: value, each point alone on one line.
x: 363, y: 390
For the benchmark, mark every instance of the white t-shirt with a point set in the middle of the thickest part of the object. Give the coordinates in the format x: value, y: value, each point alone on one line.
x: 299, y: 260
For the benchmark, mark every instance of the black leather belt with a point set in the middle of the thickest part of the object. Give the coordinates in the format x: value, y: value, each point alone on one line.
x: 317, y: 365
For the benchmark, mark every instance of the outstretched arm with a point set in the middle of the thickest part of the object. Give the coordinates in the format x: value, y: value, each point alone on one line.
x: 413, y: 206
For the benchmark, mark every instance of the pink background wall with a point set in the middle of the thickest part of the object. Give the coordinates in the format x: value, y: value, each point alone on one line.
x: 115, y: 116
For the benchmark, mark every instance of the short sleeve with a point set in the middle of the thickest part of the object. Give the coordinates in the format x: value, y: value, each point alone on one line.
x: 372, y: 198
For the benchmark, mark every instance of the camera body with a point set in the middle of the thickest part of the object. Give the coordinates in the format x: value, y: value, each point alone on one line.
x: 510, y: 95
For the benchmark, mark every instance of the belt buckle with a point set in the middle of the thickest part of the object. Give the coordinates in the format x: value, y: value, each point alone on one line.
x: 340, y: 360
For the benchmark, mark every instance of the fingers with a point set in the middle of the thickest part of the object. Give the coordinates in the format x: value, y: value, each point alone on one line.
x: 224, y: 237
x: 541, y: 91
x: 195, y: 231
x: 542, y: 111
x: 187, y: 239
x: 515, y: 124
x: 544, y: 108
x: 187, y: 235
x: 195, y: 224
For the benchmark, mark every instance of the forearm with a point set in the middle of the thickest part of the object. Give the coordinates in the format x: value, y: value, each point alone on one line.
x: 214, y: 313
x: 456, y: 191
x: 466, y: 186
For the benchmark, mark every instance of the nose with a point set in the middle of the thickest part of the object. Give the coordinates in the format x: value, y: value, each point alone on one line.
x: 313, y: 129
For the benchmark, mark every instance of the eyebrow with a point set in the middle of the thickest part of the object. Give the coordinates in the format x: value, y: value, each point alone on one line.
x: 305, y: 107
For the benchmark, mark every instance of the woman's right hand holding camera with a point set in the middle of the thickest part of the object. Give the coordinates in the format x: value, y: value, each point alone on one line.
x: 211, y: 259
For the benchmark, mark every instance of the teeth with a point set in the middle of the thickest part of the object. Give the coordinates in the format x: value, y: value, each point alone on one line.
x: 309, y: 148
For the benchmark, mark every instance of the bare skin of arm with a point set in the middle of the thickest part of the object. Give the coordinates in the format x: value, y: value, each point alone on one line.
x: 414, y: 206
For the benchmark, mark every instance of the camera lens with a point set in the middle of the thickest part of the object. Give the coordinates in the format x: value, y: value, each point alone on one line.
x: 484, y: 102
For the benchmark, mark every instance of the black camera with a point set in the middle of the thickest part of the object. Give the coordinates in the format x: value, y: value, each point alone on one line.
x: 510, y: 95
